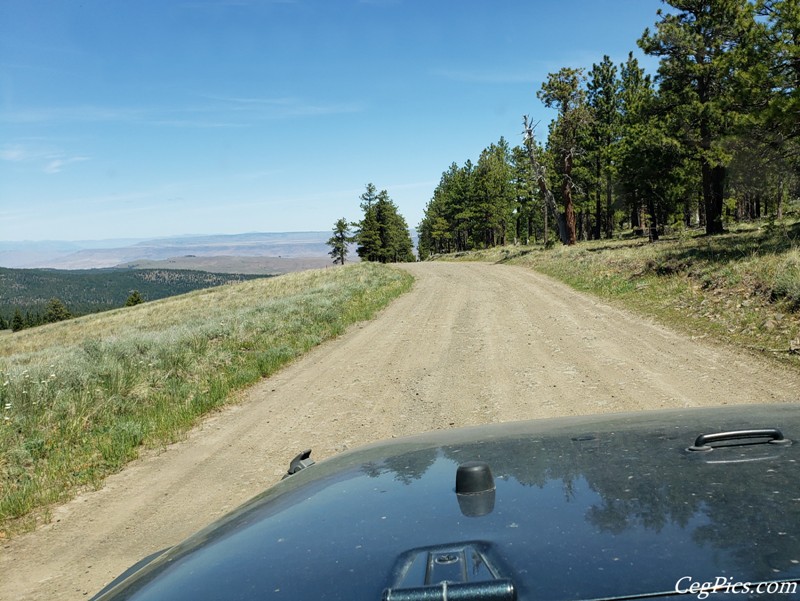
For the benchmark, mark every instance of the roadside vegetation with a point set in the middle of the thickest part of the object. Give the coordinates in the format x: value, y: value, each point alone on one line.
x: 712, y: 135
x: 80, y: 398
x: 742, y: 287
x: 673, y: 192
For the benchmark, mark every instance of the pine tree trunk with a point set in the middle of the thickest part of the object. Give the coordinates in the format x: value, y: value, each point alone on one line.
x: 637, y: 216
x: 713, y: 190
x: 569, y: 208
x: 598, y: 206
x: 652, y: 220
x: 687, y: 215
x: 545, y: 225
x: 609, y: 208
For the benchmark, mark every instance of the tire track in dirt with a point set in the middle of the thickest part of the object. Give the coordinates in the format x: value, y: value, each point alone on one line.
x: 471, y: 343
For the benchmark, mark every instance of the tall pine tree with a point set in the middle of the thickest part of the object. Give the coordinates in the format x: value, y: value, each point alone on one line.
x: 604, y: 99
x: 382, y: 234
x: 340, y: 241
x: 368, y: 233
x: 564, y: 92
x: 700, y: 47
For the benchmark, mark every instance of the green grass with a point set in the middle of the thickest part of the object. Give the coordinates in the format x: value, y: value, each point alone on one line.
x: 742, y: 287
x: 80, y: 398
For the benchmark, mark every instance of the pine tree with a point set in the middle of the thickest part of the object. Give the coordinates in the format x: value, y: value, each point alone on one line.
x: 701, y: 46
x: 563, y: 91
x: 368, y: 233
x: 382, y: 234
x: 134, y: 299
x: 396, y: 245
x: 525, y: 206
x: 18, y: 321
x: 340, y: 240
x: 55, y: 311
x: 775, y: 69
x: 32, y: 319
x: 770, y: 79
x: 494, y: 196
x: 604, y: 99
x: 651, y: 164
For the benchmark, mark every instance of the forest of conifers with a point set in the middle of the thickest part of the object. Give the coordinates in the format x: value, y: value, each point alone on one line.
x: 711, y: 137
x: 27, y: 295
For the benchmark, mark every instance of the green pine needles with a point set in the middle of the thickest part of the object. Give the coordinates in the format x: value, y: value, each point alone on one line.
x: 382, y: 234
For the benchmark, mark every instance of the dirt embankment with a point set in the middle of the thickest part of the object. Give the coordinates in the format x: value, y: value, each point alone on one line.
x: 472, y: 343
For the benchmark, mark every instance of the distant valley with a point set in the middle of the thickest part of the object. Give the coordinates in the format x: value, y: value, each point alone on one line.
x: 290, y: 251
x: 85, y: 291
x: 97, y: 275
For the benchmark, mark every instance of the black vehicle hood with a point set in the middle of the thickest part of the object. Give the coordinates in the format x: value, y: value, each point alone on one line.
x: 584, y: 508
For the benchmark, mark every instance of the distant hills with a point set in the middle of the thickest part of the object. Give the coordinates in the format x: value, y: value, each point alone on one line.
x: 92, y: 290
x: 95, y: 254
x: 97, y: 275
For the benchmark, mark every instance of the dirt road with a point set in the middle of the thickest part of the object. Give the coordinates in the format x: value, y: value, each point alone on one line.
x: 472, y: 343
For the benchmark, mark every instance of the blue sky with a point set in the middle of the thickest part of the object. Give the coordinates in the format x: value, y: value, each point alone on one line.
x: 143, y: 118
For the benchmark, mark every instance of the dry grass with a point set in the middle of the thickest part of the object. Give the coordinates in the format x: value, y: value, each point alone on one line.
x: 78, y: 398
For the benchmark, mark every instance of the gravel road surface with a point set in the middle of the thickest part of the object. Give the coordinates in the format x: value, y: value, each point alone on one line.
x: 472, y: 343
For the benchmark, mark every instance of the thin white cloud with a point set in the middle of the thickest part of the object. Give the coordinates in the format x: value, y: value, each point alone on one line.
x: 57, y: 165
x: 220, y: 112
x: 310, y: 110
x: 251, y: 100
x: 14, y: 153
x: 48, y: 159
x: 85, y: 113
x: 197, y: 123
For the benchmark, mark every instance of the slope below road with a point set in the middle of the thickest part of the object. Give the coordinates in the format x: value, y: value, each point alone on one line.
x: 471, y: 343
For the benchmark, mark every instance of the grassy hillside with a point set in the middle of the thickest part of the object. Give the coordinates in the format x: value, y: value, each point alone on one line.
x: 742, y: 287
x: 92, y: 290
x: 79, y: 397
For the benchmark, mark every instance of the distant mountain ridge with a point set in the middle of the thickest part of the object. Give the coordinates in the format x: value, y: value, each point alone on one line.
x: 93, y: 254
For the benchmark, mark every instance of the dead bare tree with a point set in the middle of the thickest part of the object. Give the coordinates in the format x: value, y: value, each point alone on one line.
x: 539, y: 172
